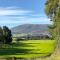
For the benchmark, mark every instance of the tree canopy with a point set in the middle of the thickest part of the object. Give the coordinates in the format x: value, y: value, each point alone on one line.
x: 5, y: 35
x: 52, y: 9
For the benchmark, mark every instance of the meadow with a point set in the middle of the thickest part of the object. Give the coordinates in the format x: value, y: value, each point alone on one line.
x: 28, y: 49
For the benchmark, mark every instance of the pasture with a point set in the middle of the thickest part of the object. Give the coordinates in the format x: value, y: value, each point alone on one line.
x: 28, y: 49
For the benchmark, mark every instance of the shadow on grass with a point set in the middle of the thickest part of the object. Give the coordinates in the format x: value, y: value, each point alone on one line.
x: 13, y: 51
x: 21, y: 45
x: 16, y: 50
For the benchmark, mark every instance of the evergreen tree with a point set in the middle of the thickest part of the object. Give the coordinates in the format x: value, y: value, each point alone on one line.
x: 7, y: 35
x: 1, y: 35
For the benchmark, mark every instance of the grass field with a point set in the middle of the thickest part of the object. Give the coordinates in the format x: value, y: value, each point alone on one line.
x: 28, y: 49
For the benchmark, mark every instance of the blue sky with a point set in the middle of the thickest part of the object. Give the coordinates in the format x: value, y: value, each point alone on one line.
x: 17, y: 12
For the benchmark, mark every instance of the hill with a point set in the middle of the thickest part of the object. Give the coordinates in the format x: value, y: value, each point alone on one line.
x: 34, y: 29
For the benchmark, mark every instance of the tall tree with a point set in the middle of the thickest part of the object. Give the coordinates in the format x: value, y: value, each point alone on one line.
x: 1, y: 35
x: 53, y: 12
x: 7, y: 35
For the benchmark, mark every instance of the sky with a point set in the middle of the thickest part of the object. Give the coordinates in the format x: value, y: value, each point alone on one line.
x: 18, y: 12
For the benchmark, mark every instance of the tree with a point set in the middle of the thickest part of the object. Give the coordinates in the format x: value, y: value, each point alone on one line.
x: 1, y: 35
x: 7, y: 35
x: 51, y: 31
x: 52, y: 10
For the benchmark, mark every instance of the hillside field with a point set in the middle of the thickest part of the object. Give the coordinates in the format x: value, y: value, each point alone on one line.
x: 28, y: 49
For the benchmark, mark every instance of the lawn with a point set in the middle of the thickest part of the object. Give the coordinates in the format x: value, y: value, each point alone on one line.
x: 28, y: 49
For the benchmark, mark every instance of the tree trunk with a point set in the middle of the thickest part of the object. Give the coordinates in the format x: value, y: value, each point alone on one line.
x: 56, y: 54
x: 14, y: 58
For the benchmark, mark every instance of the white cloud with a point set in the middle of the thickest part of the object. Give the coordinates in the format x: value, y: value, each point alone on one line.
x: 12, y: 11
x: 11, y: 7
x: 38, y: 15
x: 21, y: 20
x: 13, y: 16
x: 12, y: 22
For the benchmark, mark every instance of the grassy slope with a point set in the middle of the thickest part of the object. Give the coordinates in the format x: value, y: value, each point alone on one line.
x: 28, y: 49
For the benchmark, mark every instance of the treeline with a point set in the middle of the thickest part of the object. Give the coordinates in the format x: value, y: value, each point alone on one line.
x: 31, y: 37
x: 5, y: 35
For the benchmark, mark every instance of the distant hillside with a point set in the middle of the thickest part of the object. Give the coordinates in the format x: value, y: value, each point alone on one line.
x: 31, y: 28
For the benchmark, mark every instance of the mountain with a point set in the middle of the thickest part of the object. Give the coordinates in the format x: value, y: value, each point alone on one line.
x: 34, y: 29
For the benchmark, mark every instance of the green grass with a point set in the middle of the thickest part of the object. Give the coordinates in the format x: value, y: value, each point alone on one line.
x: 28, y: 49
